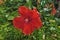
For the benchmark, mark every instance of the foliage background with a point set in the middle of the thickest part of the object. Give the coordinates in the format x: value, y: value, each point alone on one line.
x: 9, y: 9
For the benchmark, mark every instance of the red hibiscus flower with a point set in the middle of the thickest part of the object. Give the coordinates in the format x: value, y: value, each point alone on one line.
x: 28, y: 20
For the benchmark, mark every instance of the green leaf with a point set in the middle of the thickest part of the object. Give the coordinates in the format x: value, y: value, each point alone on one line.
x: 10, y: 17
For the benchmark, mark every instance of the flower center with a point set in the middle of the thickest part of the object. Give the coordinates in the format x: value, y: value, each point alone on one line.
x: 26, y: 20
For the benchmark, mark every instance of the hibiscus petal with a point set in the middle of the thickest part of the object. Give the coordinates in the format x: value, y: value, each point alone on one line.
x: 37, y: 23
x: 28, y: 29
x: 18, y: 22
x: 24, y: 11
x: 35, y: 13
